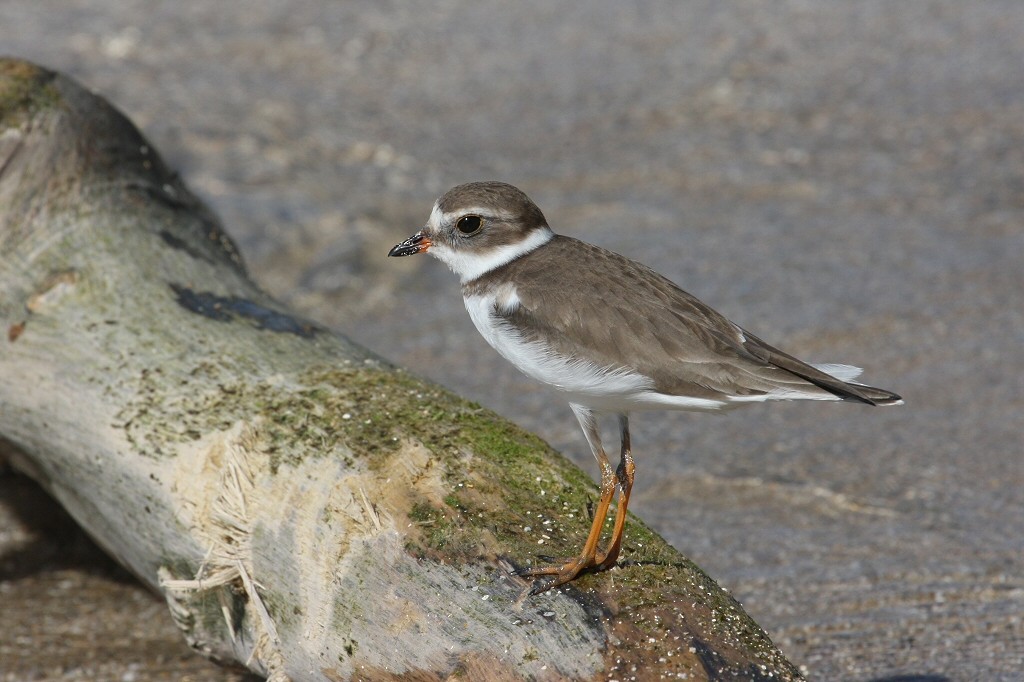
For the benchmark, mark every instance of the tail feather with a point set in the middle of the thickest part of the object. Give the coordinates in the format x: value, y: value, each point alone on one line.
x: 820, y: 375
x: 842, y: 372
x: 875, y: 396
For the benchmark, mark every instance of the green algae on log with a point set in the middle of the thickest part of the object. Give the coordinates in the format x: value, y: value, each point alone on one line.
x: 307, y: 510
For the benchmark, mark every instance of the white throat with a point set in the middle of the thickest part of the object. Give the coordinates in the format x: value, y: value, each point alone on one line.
x: 469, y: 265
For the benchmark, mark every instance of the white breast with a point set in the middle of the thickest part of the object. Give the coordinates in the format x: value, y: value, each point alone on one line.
x: 584, y: 382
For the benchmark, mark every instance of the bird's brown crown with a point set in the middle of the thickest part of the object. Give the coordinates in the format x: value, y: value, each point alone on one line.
x: 494, y: 198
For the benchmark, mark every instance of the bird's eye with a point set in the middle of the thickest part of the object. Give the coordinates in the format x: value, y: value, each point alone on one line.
x: 469, y: 224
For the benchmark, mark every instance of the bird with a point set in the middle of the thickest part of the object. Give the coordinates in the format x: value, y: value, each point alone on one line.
x: 610, y: 334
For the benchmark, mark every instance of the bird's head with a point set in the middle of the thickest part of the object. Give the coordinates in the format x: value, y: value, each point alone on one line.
x: 476, y: 227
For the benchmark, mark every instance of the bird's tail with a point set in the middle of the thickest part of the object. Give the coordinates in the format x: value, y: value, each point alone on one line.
x: 846, y: 390
x: 871, y: 395
x: 832, y: 378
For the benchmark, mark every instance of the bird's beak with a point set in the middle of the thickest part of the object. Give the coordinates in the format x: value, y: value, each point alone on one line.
x: 418, y: 243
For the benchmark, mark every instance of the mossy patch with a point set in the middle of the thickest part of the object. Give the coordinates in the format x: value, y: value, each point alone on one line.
x: 499, y: 479
x: 505, y: 495
x: 25, y: 89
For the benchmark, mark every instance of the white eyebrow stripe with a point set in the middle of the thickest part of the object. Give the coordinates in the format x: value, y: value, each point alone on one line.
x: 436, y: 217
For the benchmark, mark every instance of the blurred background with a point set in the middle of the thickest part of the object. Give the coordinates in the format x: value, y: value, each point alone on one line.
x: 846, y: 180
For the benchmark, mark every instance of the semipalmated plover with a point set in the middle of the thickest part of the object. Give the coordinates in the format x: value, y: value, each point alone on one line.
x: 611, y: 334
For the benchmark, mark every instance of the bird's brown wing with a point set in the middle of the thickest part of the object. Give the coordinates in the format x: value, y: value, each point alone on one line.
x: 622, y: 314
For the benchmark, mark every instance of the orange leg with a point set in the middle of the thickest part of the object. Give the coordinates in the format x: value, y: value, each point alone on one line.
x: 588, y: 559
x: 624, y: 473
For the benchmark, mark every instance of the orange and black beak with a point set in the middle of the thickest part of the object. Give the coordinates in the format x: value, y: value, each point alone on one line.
x: 418, y: 243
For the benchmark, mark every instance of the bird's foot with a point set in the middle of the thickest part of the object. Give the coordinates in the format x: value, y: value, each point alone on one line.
x: 564, y: 573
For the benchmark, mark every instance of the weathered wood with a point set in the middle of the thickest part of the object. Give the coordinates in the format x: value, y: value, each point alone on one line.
x: 307, y: 510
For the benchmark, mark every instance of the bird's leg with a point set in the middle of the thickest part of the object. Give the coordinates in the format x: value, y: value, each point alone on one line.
x: 624, y: 473
x: 587, y: 558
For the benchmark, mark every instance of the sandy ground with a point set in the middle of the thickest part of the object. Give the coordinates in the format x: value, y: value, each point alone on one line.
x: 844, y: 179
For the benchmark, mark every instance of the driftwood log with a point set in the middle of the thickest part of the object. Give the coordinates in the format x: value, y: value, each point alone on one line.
x: 307, y: 510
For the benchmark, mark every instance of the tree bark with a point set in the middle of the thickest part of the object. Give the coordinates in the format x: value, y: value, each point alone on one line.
x: 307, y: 510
